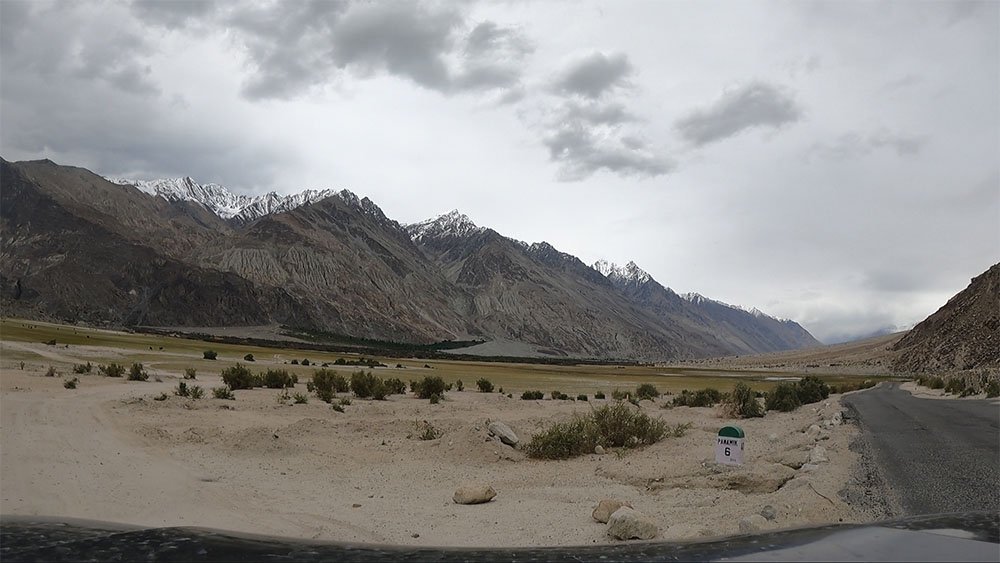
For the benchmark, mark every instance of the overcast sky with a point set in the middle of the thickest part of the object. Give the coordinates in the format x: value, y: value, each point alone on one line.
x: 831, y: 162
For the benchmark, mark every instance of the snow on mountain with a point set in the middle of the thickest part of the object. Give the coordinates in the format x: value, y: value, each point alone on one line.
x: 453, y: 223
x: 629, y: 273
x: 242, y: 208
x: 699, y: 299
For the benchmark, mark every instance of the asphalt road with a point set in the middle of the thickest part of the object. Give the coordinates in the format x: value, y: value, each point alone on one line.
x: 934, y: 455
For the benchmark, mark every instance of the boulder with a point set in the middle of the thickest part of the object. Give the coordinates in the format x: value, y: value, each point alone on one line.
x: 813, y: 431
x: 502, y: 431
x: 752, y: 523
x: 599, y: 450
x: 474, y: 493
x: 626, y: 524
x: 769, y: 513
x: 818, y: 455
x: 607, y: 507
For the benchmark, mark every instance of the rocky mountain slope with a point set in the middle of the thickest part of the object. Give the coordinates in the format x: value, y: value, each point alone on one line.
x: 963, y: 334
x: 178, y: 253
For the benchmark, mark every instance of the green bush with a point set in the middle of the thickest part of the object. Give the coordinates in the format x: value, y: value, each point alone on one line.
x: 238, y: 377
x: 337, y: 407
x: 380, y: 390
x: 71, y: 383
x: 305, y: 362
x: 295, y: 362
x: 51, y: 372
x: 112, y: 370
x: 300, y: 399
x: 581, y: 397
x: 395, y: 386
x: 614, y: 425
x: 646, y: 391
x: 248, y: 357
x: 954, y: 385
x: 210, y: 354
x: 599, y: 395
x: 435, y: 399
x: 937, y: 383
x: 190, y: 373
x: 277, y: 379
x: 137, y: 373
x: 742, y: 403
x: 619, y: 395
x: 428, y: 386
x: 196, y: 392
x: 82, y: 368
x: 182, y: 390
x: 330, y: 381
x: 223, y: 393
x: 812, y: 389
x: 992, y: 389
x: 425, y: 431
x: 706, y: 397
x: 784, y: 397
x: 346, y: 401
x: 459, y: 385
x: 325, y: 395
x: 532, y: 395
x: 484, y: 385
x: 363, y: 384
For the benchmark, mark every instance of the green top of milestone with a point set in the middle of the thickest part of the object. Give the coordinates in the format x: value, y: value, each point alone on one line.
x: 731, y: 432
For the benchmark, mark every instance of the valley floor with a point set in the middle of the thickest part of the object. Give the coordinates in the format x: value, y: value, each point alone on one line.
x: 108, y: 451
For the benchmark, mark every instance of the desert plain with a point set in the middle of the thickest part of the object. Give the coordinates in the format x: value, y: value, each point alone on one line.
x: 108, y: 450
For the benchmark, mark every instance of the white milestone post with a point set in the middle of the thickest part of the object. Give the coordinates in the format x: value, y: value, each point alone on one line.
x: 729, y: 446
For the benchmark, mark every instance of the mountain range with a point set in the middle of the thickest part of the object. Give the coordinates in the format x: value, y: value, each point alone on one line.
x: 82, y: 248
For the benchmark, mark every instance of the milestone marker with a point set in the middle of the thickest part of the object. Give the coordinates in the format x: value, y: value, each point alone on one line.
x: 729, y: 446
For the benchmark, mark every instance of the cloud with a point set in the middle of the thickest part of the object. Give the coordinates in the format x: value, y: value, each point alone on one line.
x: 855, y: 145
x: 583, y: 149
x: 756, y: 104
x: 174, y: 14
x: 294, y: 47
x: 595, y: 75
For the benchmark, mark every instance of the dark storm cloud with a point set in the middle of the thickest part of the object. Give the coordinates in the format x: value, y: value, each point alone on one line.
x: 595, y: 75
x: 581, y: 150
x: 756, y: 104
x: 293, y: 47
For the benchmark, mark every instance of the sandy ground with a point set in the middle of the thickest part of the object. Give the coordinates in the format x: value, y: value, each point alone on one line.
x: 108, y: 451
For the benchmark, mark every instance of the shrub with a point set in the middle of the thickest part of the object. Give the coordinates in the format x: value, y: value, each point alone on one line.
x: 380, y: 390
x: 619, y: 395
x: 784, y: 398
x: 615, y: 425
x: 435, y: 399
x: 305, y: 362
x: 345, y: 401
x: 182, y: 390
x: 937, y: 383
x: 112, y: 370
x: 330, y: 381
x: 395, y: 386
x: 337, y: 407
x: 248, y: 357
x: 51, y: 342
x: 680, y: 429
x: 430, y: 385
x: 223, y: 393
x: 954, y: 385
x: 325, y: 395
x: 295, y: 362
x: 812, y: 389
x: 459, y: 385
x: 238, y: 377
x: 300, y: 399
x: 532, y: 395
x: 968, y: 391
x: 706, y: 397
x: 647, y: 391
x: 210, y: 354
x: 51, y: 372
x: 82, y: 368
x: 196, y: 392
x: 581, y: 397
x: 137, y: 373
x: 71, y: 383
x: 992, y: 389
x: 363, y: 384
x: 742, y: 403
x: 425, y: 431
x: 160, y: 397
x: 190, y: 373
x: 484, y: 385
x: 556, y: 395
x: 599, y: 395
x: 277, y: 379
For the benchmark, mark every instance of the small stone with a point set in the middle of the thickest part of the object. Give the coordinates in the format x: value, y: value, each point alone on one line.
x: 474, y: 493
x: 772, y: 438
x: 769, y: 513
x: 813, y: 431
x: 809, y: 467
x: 599, y: 450
x: 626, y: 524
x: 818, y: 455
x: 606, y: 508
x: 414, y: 535
x: 752, y: 523
x: 503, y: 432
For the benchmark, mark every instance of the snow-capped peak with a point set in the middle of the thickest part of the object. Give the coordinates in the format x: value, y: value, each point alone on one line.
x: 227, y: 205
x: 629, y: 273
x: 453, y: 223
x: 699, y: 299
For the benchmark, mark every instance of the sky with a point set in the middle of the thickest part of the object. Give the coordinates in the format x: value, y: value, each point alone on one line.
x: 835, y: 163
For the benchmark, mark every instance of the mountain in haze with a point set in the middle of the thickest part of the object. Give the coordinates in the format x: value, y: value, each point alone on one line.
x: 963, y: 334
x: 78, y: 247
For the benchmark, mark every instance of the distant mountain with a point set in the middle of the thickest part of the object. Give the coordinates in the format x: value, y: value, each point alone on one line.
x: 963, y: 334
x: 178, y: 253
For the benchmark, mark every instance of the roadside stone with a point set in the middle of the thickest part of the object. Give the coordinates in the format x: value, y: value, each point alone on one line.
x: 769, y: 513
x: 772, y: 438
x: 794, y: 458
x: 809, y: 467
x: 503, y: 432
x: 474, y: 493
x: 607, y: 507
x: 818, y: 455
x: 813, y: 431
x: 599, y: 450
x: 752, y: 523
x: 626, y: 524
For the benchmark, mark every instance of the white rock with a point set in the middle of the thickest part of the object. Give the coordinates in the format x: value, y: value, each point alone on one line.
x: 813, y: 431
x: 607, y: 507
x: 503, y: 432
x: 626, y: 524
x: 474, y: 493
x: 772, y: 438
x: 599, y: 450
x: 752, y: 523
x: 809, y: 467
x: 818, y: 455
